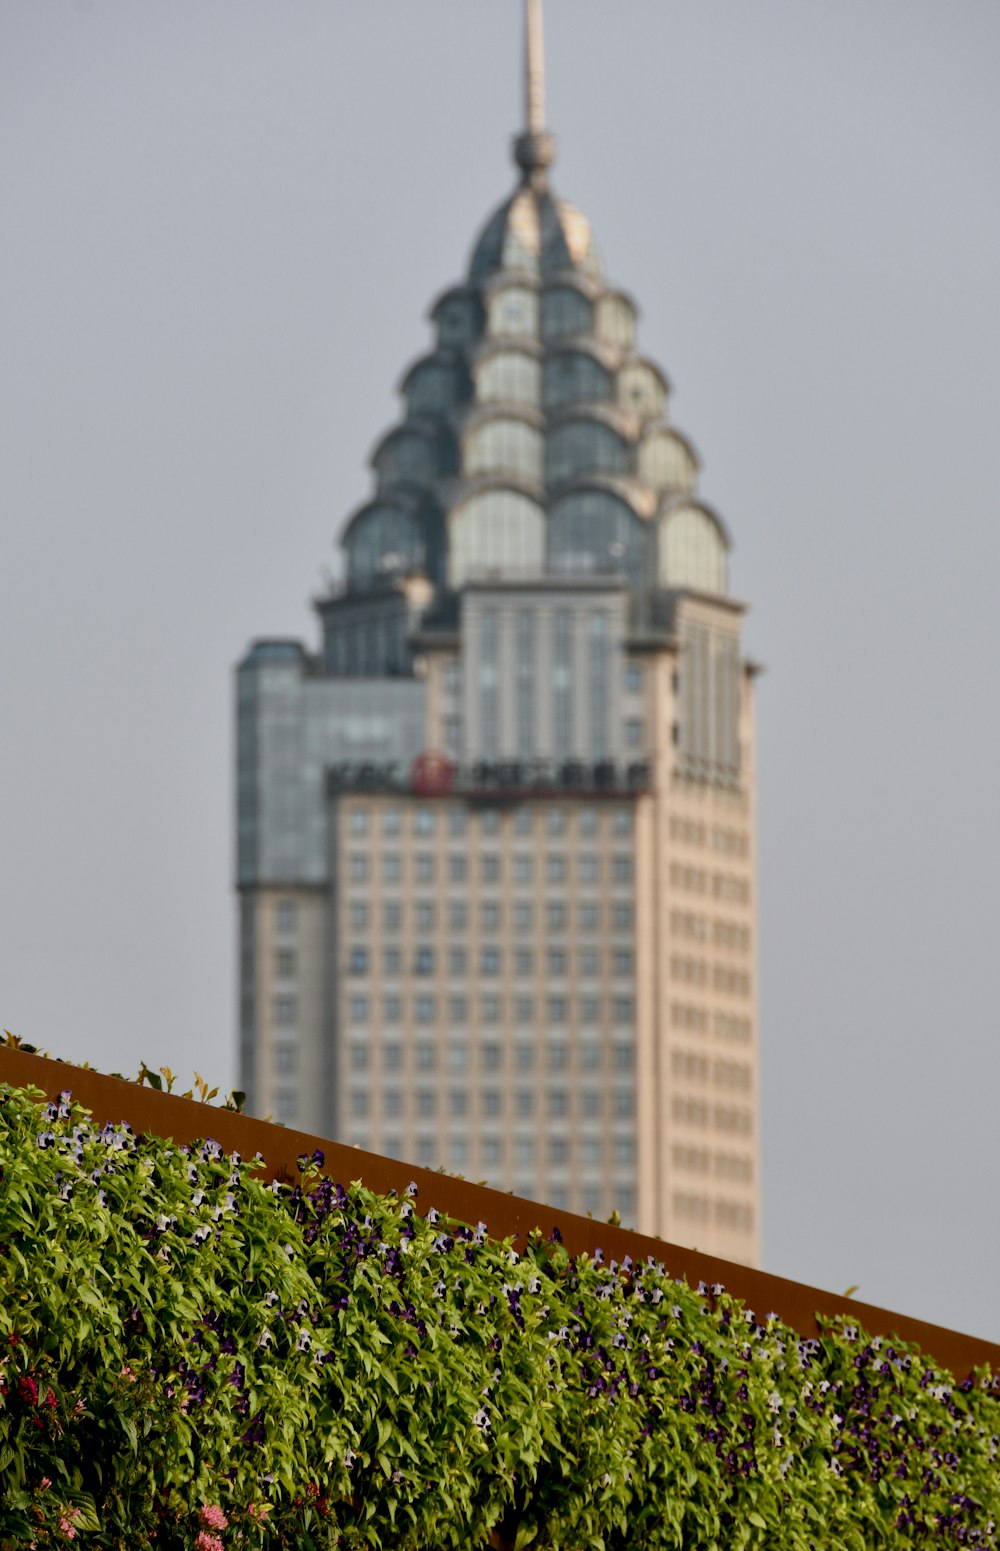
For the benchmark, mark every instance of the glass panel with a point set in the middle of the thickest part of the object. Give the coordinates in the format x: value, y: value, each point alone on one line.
x: 432, y: 389
x: 593, y: 531
x: 665, y: 462
x: 407, y: 459
x: 574, y: 378
x: 640, y: 391
x: 507, y: 447
x: 564, y: 313
x: 510, y: 377
x: 585, y: 447
x: 513, y: 313
x: 383, y: 534
x: 616, y: 322
x: 692, y: 551
x: 498, y: 531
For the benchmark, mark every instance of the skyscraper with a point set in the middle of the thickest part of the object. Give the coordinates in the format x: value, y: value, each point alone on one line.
x: 496, y: 837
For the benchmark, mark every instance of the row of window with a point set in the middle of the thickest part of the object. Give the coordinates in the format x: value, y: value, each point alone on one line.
x: 725, y: 1214
x: 494, y: 1104
x: 698, y: 1020
x: 697, y: 1112
x: 523, y: 917
x: 490, y: 1057
x: 724, y: 1165
x: 557, y: 868
x: 457, y: 821
x: 691, y: 1067
x: 731, y: 842
x: 695, y: 880
x: 723, y: 934
x: 490, y: 961
x: 428, y: 1009
x: 697, y: 972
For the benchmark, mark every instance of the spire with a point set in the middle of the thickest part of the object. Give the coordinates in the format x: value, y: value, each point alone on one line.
x: 534, y: 149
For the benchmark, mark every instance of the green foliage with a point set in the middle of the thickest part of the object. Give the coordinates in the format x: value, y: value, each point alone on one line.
x: 192, y: 1358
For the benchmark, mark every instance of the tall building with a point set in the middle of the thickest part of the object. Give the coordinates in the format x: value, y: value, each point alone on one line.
x: 496, y: 836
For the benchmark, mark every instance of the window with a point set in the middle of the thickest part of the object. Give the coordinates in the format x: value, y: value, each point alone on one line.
x: 392, y: 1103
x: 590, y: 1009
x: 358, y: 868
x: 622, y: 962
x: 359, y: 1102
x: 358, y: 962
x: 492, y: 1151
x: 392, y: 916
x: 359, y: 918
x: 286, y: 1059
x: 557, y: 1009
x: 426, y: 1102
x: 426, y: 1009
x: 590, y: 869
x: 634, y: 732
x: 622, y: 1009
x: 457, y: 869
x: 392, y: 1009
x: 490, y: 918
x: 452, y: 677
x: 458, y: 1056
x: 558, y: 1058
x: 359, y: 1009
x: 624, y: 1057
x: 633, y: 678
x: 624, y: 1103
x: 556, y: 821
x: 392, y: 867
x: 425, y: 869
x: 490, y: 1104
x: 359, y: 1058
x: 392, y: 1057
x: 621, y: 869
x: 524, y: 1057
x: 284, y: 963
x: 590, y: 1103
x: 489, y: 868
x: 490, y: 822
x: 489, y: 962
x: 524, y: 1149
x: 285, y: 916
x: 590, y: 962
x: 425, y: 918
x: 458, y: 1009
x: 458, y: 917
x: 555, y: 916
x: 525, y: 684
x: 524, y: 868
x: 558, y: 1104
x: 490, y: 1009
x: 457, y: 821
x: 392, y: 822
x: 392, y: 961
x: 425, y: 1153
x: 591, y: 1152
x: 423, y: 963
x: 622, y: 823
x: 598, y: 654
x: 555, y: 869
x: 286, y: 1012
x: 458, y: 1152
x: 590, y: 918
x: 624, y: 1150
x: 423, y: 821
x: 457, y: 961
x: 558, y: 1150
x: 524, y: 917
x: 360, y: 821
x: 524, y: 821
x: 524, y: 1009
x: 588, y: 822
x: 458, y: 1103
x: 622, y: 918
x: 524, y: 1103
x: 556, y: 961
x: 426, y: 1057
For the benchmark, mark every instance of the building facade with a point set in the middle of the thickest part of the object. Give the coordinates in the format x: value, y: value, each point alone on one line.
x: 496, y: 836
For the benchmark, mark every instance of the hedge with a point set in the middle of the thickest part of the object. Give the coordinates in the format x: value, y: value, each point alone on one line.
x: 194, y: 1358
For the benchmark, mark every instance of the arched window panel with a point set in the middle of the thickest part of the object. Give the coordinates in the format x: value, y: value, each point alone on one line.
x: 565, y: 313
x: 457, y: 322
x: 498, y: 532
x: 432, y: 388
x: 509, y: 377
x: 666, y: 462
x: 504, y: 447
x: 521, y: 242
x: 641, y: 392
x: 383, y: 541
x: 615, y: 321
x: 513, y: 313
x: 692, y: 550
x: 574, y: 378
x: 585, y: 447
x: 593, y: 532
x: 404, y: 459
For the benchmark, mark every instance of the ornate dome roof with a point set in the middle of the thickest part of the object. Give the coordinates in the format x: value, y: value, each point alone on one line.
x: 535, y: 436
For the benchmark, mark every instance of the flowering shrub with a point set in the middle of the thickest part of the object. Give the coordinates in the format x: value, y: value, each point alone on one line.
x: 191, y: 1358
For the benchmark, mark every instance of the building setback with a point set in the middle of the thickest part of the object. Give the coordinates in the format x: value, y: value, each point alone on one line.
x: 496, y: 838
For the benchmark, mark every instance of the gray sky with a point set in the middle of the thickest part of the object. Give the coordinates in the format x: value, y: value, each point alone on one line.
x: 223, y: 226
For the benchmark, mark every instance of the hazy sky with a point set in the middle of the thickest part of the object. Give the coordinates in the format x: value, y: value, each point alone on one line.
x: 223, y: 224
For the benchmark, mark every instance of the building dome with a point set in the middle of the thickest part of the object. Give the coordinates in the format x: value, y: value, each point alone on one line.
x: 535, y: 436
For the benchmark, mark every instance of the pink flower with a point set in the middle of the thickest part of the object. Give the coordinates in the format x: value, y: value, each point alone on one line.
x: 66, y: 1525
x: 214, y: 1517
x: 45, y: 1483
x: 207, y: 1542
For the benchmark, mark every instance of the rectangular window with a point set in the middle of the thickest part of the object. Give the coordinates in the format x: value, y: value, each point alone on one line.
x: 490, y: 917
x: 524, y: 917
x: 558, y: 1151
x: 285, y: 1011
x: 523, y: 821
x: 458, y: 917
x: 524, y: 1103
x: 426, y: 1057
x: 458, y: 1056
x: 622, y: 918
x: 635, y: 732
x: 392, y: 867
x: 562, y: 684
x: 590, y: 1152
x: 526, y: 672
x: 622, y: 869
x: 524, y: 868
x: 558, y: 1058
x: 597, y: 681
x: 392, y: 822
x: 489, y: 868
x: 492, y: 1151
x: 524, y: 1010
x: 489, y: 822
x: 458, y: 1102
x: 425, y: 869
x: 392, y: 1103
x: 458, y: 1009
x: 392, y: 916
x: 623, y: 1009
x: 423, y: 821
x: 359, y: 918
x: 489, y: 696
x: 457, y: 821
x: 556, y: 961
x: 358, y: 868
x: 590, y: 1010
x: 555, y: 869
x: 358, y: 962
x: 633, y: 678
x: 489, y: 961
x: 492, y: 1058
x: 359, y: 1058
x: 491, y: 1104
x: 457, y: 869
x: 588, y: 822
x: 524, y: 1057
x: 558, y: 1103
x: 392, y: 1009
x: 490, y: 1009
x: 285, y: 916
x: 392, y: 961
x: 426, y: 1009
x: 359, y: 1103
x: 286, y: 1059
x: 423, y: 963
x: 392, y: 1057
x: 589, y: 869
x: 359, y: 1009
x: 589, y: 918
x: 557, y: 1009
x: 425, y: 918
x: 555, y: 917
x: 622, y: 962
x: 622, y: 822
x: 426, y: 1103
x: 590, y: 962
x: 360, y: 821
x: 590, y: 1103
x: 284, y: 963
x: 556, y: 821
x: 457, y: 961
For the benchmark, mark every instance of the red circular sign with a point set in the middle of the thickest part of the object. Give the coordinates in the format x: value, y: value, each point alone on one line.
x: 432, y: 775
